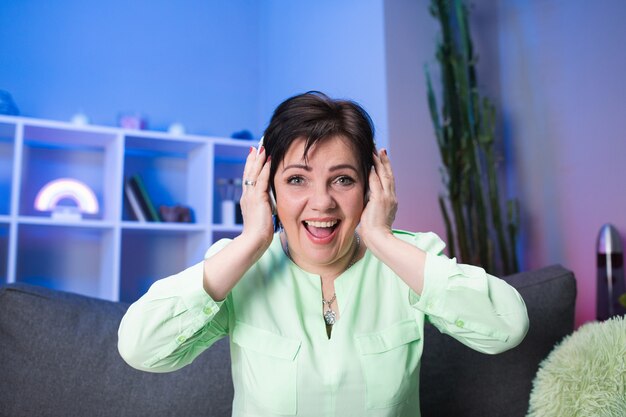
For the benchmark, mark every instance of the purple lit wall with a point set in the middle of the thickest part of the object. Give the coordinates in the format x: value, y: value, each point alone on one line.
x: 564, y: 94
x: 557, y: 70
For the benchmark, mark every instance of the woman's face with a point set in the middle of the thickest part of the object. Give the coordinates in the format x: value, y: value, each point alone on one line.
x: 319, y: 201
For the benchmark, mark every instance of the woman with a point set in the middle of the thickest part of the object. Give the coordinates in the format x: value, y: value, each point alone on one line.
x: 326, y: 315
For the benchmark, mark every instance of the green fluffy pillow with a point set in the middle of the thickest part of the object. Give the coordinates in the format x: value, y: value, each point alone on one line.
x: 584, y: 375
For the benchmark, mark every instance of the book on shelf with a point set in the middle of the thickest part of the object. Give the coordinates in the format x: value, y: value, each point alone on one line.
x: 133, y: 203
x: 135, y: 183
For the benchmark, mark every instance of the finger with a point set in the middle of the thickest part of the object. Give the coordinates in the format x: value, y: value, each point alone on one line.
x: 257, y: 195
x: 263, y: 179
x: 385, y: 172
x: 248, y: 166
x: 254, y: 165
x: 375, y: 186
x: 258, y: 162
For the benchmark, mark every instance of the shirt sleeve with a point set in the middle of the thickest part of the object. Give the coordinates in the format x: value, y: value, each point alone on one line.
x: 175, y: 321
x: 474, y: 307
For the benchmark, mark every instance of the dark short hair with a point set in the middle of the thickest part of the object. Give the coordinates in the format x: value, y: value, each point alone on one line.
x: 316, y: 117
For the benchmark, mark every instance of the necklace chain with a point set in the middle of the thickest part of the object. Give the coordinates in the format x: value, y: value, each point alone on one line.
x: 330, y: 317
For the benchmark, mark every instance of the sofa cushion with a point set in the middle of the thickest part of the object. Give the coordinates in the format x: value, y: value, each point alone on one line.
x: 457, y: 381
x: 58, y: 357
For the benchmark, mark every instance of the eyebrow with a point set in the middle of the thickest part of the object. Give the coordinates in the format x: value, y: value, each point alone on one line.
x: 332, y: 169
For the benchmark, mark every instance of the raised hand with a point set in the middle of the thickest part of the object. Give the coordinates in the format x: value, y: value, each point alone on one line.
x: 380, y: 210
x: 258, y: 225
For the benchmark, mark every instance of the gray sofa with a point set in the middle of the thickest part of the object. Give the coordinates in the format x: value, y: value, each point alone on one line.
x: 58, y: 357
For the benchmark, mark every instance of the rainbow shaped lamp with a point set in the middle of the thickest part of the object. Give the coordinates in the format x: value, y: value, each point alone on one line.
x: 67, y: 189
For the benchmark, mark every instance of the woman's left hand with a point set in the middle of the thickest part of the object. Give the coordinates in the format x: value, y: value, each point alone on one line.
x: 380, y: 210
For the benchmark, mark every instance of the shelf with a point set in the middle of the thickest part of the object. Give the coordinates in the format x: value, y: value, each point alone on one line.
x: 162, y: 253
x: 52, y: 153
x: 238, y: 228
x: 68, y: 136
x: 68, y: 259
x: 108, y: 254
x: 48, y: 221
x: 229, y: 165
x: 174, y: 172
x: 161, y: 226
x: 7, y: 134
x: 4, y: 253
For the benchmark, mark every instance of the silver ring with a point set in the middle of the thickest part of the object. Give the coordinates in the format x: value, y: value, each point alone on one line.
x: 249, y: 182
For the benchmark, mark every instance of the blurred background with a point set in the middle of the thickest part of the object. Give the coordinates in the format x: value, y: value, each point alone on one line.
x: 555, y: 69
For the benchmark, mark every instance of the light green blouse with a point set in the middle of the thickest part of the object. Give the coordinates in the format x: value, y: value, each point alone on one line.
x: 282, y: 360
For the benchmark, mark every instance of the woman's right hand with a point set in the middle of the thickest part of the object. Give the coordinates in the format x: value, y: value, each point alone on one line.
x: 256, y: 209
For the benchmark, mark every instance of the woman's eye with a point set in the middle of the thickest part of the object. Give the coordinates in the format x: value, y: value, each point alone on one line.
x: 344, y: 180
x: 295, y: 180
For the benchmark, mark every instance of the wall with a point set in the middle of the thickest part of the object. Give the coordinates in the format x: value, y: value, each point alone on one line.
x: 335, y: 47
x: 564, y: 97
x: 411, y: 37
x: 214, y: 66
x: 556, y: 70
x: 195, y: 62
x: 554, y: 67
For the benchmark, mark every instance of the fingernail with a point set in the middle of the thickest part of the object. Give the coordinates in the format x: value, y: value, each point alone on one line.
x: 262, y: 149
x: 384, y: 152
x: 251, y: 150
x: 269, y: 158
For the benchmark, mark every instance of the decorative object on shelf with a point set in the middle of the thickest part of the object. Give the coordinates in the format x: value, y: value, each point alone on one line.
x: 132, y: 121
x: 80, y: 119
x: 51, y: 195
x: 176, y: 214
x: 584, y: 375
x: 135, y: 190
x: 228, y: 212
x: 610, y: 273
x: 7, y: 105
x: 176, y: 129
x: 229, y: 189
x: 476, y: 231
x: 242, y: 134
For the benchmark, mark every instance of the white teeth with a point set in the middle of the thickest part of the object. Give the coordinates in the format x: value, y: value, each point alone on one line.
x: 321, y: 224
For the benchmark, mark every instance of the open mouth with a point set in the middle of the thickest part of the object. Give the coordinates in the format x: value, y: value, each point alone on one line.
x: 321, y: 230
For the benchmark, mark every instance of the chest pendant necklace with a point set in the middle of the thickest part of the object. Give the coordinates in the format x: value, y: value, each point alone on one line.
x: 330, y: 317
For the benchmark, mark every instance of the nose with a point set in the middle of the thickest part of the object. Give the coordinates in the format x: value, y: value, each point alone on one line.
x: 321, y: 199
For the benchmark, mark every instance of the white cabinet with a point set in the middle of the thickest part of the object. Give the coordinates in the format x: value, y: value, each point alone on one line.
x: 109, y: 254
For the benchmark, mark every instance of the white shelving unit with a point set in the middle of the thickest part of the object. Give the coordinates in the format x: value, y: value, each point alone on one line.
x: 108, y: 255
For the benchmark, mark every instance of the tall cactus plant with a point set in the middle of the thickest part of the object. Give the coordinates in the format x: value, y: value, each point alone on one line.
x: 477, y: 231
